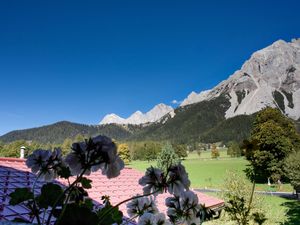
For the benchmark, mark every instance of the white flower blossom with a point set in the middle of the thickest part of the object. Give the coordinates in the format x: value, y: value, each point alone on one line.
x: 153, y: 219
x: 73, y: 161
x: 141, y: 205
x: 45, y: 163
x: 178, y: 180
x: 184, y: 209
x: 93, y: 155
x: 161, y: 219
x: 113, y: 169
x: 38, y: 159
x: 152, y: 181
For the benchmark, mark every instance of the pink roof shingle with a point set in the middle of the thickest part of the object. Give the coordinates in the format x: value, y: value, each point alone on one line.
x: 14, y: 174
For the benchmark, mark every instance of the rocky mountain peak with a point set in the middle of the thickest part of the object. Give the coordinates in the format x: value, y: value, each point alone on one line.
x: 138, y: 117
x: 271, y: 77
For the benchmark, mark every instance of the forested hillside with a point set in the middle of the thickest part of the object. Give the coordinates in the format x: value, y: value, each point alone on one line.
x: 58, y: 132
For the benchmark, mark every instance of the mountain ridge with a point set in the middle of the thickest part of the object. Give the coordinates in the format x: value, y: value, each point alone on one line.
x: 270, y: 77
x: 153, y: 115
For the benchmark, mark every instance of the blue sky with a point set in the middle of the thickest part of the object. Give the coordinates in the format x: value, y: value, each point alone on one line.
x: 79, y: 60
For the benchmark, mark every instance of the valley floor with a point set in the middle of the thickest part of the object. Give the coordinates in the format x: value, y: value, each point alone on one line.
x: 205, y: 172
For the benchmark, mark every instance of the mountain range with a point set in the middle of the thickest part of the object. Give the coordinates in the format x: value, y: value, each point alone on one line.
x: 138, y: 117
x: 271, y: 77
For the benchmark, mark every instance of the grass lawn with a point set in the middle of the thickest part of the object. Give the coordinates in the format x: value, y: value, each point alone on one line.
x: 278, y: 210
x: 205, y: 172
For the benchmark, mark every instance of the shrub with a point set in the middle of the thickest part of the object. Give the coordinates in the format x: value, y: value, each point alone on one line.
x: 214, y: 152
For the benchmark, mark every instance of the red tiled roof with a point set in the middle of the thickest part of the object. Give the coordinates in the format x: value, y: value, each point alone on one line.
x: 14, y: 173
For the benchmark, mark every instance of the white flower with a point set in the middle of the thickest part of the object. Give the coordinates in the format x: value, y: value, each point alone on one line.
x: 184, y: 209
x: 47, y: 176
x: 45, y: 163
x: 153, y: 219
x: 147, y: 219
x: 161, y: 219
x: 73, y: 161
x: 141, y: 205
x: 153, y: 181
x: 97, y: 153
x: 113, y: 169
x: 38, y: 159
x: 178, y: 180
x: 189, y: 198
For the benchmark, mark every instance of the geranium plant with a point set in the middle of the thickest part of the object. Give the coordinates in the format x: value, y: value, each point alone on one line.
x: 64, y: 205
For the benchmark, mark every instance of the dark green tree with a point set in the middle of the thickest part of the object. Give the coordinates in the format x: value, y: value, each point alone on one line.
x: 151, y: 150
x: 167, y: 157
x: 273, y: 137
x: 292, y: 168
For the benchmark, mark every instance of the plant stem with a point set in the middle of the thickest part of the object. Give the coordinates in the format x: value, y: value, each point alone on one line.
x: 34, y: 202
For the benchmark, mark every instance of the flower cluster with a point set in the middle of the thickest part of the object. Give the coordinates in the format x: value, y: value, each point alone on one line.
x: 45, y: 163
x: 94, y: 154
x: 184, y: 209
x: 178, y: 180
x: 183, y: 206
x: 85, y: 157
x: 153, y: 219
x: 153, y: 181
x: 141, y: 205
x: 175, y: 181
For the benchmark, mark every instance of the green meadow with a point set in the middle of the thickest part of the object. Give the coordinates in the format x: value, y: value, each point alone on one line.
x: 205, y: 172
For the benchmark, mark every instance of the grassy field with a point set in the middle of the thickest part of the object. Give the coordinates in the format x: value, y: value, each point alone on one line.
x: 278, y: 210
x: 205, y: 172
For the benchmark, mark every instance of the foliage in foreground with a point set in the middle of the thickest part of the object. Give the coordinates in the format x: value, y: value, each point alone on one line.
x: 242, y: 205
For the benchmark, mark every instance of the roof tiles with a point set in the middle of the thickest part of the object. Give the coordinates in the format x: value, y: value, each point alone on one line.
x: 14, y: 174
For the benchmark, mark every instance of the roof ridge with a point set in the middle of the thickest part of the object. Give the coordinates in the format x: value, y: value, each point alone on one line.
x: 10, y: 159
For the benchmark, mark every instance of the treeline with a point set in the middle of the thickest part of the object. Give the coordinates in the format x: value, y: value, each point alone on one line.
x: 133, y: 150
x: 12, y: 149
x: 143, y: 150
x: 149, y: 150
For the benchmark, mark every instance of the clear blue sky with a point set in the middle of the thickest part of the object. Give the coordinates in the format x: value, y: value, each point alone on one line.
x: 79, y: 60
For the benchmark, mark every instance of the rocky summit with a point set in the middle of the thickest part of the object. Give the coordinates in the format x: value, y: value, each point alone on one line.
x: 271, y: 77
x: 138, y: 117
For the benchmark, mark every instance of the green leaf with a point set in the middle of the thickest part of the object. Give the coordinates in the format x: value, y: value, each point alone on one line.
x: 88, y: 203
x: 20, y: 195
x: 64, y: 172
x: 86, y: 183
x: 49, y: 195
x: 110, y: 215
x: 79, y: 215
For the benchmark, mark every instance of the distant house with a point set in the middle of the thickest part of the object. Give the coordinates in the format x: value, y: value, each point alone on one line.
x: 15, y: 174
